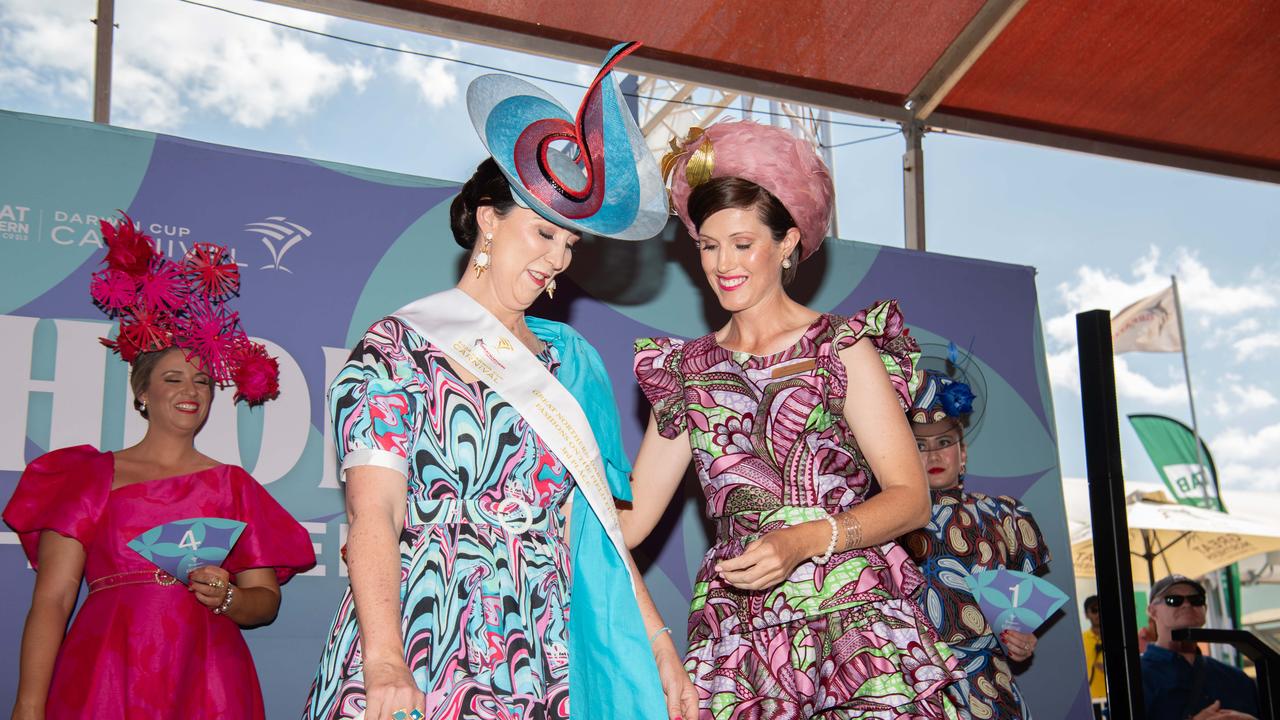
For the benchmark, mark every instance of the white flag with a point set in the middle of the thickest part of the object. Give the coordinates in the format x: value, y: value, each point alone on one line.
x: 1149, y: 325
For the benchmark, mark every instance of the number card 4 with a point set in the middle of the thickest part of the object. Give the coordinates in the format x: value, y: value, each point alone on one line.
x: 181, y: 546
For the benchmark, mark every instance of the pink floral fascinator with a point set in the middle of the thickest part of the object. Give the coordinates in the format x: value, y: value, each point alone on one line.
x: 162, y: 304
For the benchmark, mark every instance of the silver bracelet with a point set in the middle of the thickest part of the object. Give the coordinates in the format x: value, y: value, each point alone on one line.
x: 226, y: 601
x: 659, y: 631
x: 831, y: 546
x: 852, y: 530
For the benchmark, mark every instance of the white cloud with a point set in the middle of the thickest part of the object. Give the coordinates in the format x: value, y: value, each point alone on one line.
x: 1223, y: 334
x: 1135, y: 386
x: 1198, y: 291
x: 1207, y: 303
x: 172, y: 60
x: 1064, y: 372
x: 435, y: 80
x: 1237, y: 397
x: 1246, y: 459
x: 1241, y: 476
x: 1064, y: 369
x: 1253, y: 343
x: 1240, y: 445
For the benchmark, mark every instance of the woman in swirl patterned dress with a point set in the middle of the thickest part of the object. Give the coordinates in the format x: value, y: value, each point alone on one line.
x: 803, y: 608
x: 968, y: 532
x: 459, y: 605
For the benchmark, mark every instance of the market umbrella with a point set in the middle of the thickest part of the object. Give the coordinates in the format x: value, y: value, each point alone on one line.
x: 1167, y: 538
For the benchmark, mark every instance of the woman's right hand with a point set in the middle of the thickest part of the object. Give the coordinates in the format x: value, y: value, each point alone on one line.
x: 390, y: 687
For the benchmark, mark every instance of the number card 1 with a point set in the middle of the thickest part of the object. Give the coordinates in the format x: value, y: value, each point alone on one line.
x: 181, y: 546
x: 1013, y: 600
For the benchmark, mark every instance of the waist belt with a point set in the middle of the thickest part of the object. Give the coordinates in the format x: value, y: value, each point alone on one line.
x: 752, y: 523
x: 132, y: 577
x: 514, y: 516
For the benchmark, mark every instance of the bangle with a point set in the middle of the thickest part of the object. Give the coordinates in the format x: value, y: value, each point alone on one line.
x: 226, y: 601
x: 659, y: 631
x: 831, y: 546
x: 852, y: 530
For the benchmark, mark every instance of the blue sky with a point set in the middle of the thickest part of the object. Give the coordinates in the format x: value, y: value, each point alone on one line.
x: 1101, y: 232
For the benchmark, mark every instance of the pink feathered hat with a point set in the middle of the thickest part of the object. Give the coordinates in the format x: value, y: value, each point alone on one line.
x: 768, y: 156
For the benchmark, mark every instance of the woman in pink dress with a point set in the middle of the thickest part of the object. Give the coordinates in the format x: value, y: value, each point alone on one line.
x: 144, y: 644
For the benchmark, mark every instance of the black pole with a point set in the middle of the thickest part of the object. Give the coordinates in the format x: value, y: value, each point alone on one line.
x: 1265, y: 661
x: 1107, y: 511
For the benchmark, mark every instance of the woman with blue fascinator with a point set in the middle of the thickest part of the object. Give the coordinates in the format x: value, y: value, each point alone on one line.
x: 481, y: 453
x: 968, y: 532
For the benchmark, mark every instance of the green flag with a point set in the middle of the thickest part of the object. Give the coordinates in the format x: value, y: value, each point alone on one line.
x: 1172, y: 448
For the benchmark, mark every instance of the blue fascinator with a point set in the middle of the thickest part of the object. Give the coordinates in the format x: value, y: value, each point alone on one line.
x: 591, y: 172
x: 951, y: 386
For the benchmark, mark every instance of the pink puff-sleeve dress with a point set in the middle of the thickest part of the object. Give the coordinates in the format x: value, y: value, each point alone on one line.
x: 141, y: 646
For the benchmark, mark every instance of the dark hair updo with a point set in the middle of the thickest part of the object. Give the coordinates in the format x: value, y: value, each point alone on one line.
x: 488, y: 186
x: 723, y: 193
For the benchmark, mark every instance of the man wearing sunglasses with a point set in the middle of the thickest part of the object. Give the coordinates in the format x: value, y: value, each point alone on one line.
x: 1177, y: 681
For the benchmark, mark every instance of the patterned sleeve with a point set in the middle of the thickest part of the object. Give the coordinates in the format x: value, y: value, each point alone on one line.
x: 884, y: 325
x: 1027, y: 550
x: 657, y: 368
x: 374, y: 402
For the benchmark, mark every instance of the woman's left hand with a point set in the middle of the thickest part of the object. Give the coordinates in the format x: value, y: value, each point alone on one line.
x: 1018, y: 645
x: 210, y: 585
x: 767, y: 561
x: 682, y: 696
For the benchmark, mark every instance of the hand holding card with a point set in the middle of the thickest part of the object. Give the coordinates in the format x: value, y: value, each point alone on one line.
x: 181, y: 546
x: 1013, y: 600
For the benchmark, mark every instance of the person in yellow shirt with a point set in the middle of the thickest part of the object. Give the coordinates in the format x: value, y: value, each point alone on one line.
x: 1093, y: 649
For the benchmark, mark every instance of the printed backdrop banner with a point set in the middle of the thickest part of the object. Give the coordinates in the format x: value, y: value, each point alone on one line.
x: 324, y: 250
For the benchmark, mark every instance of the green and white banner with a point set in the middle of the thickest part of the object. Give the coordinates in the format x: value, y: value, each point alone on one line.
x: 1191, y: 478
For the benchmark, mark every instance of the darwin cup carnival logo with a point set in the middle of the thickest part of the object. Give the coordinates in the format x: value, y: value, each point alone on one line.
x: 280, y: 235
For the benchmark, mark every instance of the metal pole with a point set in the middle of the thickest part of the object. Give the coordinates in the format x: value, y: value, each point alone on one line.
x: 1186, y: 369
x: 1222, y: 578
x: 102, y: 61
x: 1107, y: 510
x: 824, y: 142
x: 913, y: 184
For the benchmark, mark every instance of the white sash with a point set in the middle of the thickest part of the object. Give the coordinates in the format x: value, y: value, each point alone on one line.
x: 474, y: 339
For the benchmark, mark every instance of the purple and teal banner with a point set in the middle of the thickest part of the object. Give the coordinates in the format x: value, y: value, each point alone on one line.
x: 324, y: 250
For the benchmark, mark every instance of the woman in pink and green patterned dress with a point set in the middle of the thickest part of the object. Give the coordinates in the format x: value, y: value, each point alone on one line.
x: 804, y: 606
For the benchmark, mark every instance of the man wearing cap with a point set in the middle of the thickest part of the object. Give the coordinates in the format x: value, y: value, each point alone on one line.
x: 1177, y: 681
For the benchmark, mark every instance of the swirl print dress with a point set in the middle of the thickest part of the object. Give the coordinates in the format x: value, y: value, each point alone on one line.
x: 772, y: 449
x: 967, y: 533
x: 485, y: 569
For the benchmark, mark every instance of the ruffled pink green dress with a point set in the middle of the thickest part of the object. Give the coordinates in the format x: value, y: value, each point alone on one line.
x: 141, y: 646
x: 772, y: 449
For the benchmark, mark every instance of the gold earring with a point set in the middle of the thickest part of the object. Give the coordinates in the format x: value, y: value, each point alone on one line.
x: 481, y: 261
x: 551, y: 288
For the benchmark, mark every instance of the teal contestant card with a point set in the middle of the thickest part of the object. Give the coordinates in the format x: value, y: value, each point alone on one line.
x: 181, y: 546
x: 1013, y: 600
